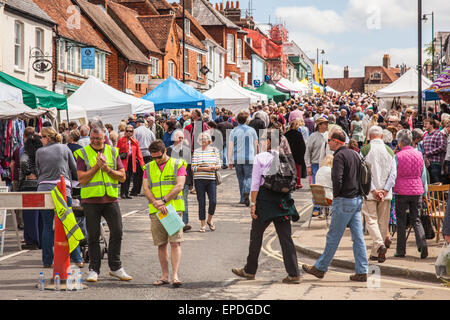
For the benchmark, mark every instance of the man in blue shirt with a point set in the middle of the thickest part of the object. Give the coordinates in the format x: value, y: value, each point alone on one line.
x: 242, y: 147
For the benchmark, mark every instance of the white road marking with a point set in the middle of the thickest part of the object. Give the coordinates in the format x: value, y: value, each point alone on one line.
x: 13, y: 255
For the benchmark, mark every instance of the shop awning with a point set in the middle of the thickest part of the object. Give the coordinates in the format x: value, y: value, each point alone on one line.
x: 34, y: 96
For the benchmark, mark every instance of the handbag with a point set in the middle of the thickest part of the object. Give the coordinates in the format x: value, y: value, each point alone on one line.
x: 218, y: 178
x: 123, y: 155
x: 426, y: 223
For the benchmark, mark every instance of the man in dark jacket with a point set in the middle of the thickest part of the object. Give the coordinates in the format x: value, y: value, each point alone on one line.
x: 223, y: 127
x: 343, y: 122
x: 347, y: 205
x: 257, y: 123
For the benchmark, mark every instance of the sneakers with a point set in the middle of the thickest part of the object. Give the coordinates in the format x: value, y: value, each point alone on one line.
x: 382, y: 254
x: 359, y: 277
x: 291, y: 280
x: 92, y: 276
x: 241, y: 273
x: 121, y: 274
x: 312, y: 270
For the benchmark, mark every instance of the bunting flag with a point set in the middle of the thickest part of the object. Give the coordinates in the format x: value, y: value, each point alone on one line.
x: 321, y: 75
x: 316, y: 73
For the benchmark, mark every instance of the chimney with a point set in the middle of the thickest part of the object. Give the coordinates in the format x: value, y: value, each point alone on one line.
x: 228, y: 5
x: 221, y: 6
x: 232, y: 5
x: 346, y: 72
x: 217, y: 6
x: 387, y: 61
x: 238, y: 5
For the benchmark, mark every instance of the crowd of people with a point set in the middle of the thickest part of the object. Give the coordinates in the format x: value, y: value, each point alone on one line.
x: 313, y: 129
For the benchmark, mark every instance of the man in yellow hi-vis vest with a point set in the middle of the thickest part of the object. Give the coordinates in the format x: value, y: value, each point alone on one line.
x: 99, y: 171
x: 164, y: 179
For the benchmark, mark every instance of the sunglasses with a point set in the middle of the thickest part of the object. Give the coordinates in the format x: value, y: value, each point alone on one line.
x: 44, y: 137
x: 130, y: 131
x: 158, y: 157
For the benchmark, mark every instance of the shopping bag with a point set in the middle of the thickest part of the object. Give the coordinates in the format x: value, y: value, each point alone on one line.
x: 171, y: 221
x: 442, y: 264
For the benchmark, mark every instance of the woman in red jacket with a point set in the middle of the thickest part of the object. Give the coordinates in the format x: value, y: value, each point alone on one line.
x: 132, y: 159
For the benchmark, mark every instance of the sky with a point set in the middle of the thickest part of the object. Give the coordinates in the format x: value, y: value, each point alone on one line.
x: 354, y: 33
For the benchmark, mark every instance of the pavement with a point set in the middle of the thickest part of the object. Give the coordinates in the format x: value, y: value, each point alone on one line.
x: 311, y: 242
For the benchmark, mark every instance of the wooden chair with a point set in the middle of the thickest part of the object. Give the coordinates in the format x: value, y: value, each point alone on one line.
x: 436, y: 203
x: 318, y: 194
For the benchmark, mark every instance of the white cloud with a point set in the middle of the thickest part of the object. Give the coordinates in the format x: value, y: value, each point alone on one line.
x: 337, y: 71
x: 312, y: 19
x: 398, y: 56
x: 309, y: 43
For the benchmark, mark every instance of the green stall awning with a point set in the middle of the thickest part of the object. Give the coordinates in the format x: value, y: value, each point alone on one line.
x: 34, y: 96
x: 278, y: 96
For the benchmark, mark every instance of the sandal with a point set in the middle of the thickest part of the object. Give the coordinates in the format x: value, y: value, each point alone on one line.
x: 160, y: 282
x: 211, y: 226
x: 177, y: 283
x: 203, y: 229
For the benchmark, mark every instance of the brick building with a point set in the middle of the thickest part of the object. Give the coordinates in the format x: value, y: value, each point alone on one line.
x: 72, y: 32
x: 226, y: 33
x: 126, y: 60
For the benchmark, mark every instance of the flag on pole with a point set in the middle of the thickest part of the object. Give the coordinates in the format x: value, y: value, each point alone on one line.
x: 316, y: 73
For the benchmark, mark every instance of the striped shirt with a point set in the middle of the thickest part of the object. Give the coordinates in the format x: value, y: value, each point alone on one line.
x: 205, y: 158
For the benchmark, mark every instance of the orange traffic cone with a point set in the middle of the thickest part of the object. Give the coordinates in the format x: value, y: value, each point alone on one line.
x: 61, y: 259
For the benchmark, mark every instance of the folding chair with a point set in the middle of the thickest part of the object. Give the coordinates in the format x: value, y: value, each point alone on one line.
x: 436, y: 203
x: 318, y: 194
x: 3, y: 214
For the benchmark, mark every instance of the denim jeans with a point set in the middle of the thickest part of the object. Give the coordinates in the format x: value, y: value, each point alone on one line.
x: 346, y: 212
x: 244, y: 175
x: 48, y: 237
x: 186, y: 204
x: 314, y: 169
x: 203, y: 187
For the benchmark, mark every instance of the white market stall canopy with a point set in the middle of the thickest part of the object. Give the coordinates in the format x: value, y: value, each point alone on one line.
x: 10, y: 93
x: 330, y: 89
x: 405, y: 86
x: 226, y: 96
x: 286, y: 85
x: 13, y: 109
x: 254, y: 96
x: 95, y: 98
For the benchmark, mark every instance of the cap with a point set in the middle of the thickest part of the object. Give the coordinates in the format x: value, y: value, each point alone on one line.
x: 140, y: 120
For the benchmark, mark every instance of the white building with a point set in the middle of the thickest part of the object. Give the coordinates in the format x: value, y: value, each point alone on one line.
x: 25, y: 27
x: 215, y: 63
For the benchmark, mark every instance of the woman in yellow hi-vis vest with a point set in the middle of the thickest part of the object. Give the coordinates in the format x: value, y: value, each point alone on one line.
x: 99, y: 172
x: 163, y: 185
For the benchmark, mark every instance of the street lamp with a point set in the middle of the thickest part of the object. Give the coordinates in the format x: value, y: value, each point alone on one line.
x: 419, y: 66
x: 184, y: 43
x: 424, y: 18
x: 322, y: 52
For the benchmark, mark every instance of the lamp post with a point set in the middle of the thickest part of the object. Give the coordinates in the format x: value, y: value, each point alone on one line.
x: 323, y: 74
x: 432, y: 40
x: 317, y: 61
x: 419, y: 67
x: 184, y: 42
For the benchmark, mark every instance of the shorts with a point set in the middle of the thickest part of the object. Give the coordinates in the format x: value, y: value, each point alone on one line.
x: 160, y: 235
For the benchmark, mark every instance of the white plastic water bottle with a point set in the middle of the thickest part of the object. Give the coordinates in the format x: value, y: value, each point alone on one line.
x: 69, y: 283
x: 79, y: 281
x: 57, y: 282
x: 41, y: 282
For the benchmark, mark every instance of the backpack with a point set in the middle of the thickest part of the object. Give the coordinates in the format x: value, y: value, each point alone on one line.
x: 365, y: 177
x: 283, y: 174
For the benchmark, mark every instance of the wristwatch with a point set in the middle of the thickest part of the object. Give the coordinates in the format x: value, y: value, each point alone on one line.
x: 164, y: 200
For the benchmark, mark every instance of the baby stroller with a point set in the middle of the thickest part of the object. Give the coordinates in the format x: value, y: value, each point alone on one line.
x: 79, y: 215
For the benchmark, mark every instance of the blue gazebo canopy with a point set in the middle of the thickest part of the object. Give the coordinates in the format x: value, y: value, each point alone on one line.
x: 173, y: 94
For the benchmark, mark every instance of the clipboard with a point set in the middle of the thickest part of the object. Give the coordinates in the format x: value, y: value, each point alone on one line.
x: 170, y: 221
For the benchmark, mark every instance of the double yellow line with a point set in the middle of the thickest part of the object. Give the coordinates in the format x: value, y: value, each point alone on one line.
x: 271, y: 236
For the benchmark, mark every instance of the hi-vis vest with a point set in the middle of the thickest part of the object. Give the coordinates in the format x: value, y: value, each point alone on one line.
x: 101, y: 183
x: 65, y: 214
x: 161, y: 183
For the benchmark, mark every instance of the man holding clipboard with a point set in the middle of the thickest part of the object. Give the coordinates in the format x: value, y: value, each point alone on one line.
x: 163, y: 183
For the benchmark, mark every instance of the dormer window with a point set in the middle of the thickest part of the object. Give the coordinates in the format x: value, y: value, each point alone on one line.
x: 375, y: 76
